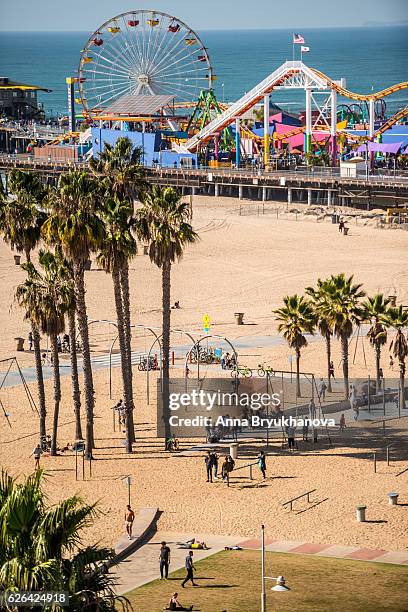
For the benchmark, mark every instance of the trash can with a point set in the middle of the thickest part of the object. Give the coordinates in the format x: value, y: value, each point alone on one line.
x: 145, y: 249
x: 345, y: 231
x: 234, y: 450
x: 239, y: 317
x: 361, y: 513
x: 335, y: 218
x: 88, y: 264
x: 393, y: 499
x: 20, y: 344
x: 17, y: 259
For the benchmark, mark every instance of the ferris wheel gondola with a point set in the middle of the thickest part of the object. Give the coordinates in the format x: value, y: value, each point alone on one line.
x: 143, y: 53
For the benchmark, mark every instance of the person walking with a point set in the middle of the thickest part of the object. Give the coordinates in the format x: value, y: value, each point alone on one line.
x: 322, y: 390
x: 342, y: 424
x: 30, y: 341
x: 391, y: 363
x: 215, y: 465
x: 164, y: 559
x: 209, y: 462
x: 129, y: 518
x: 262, y: 463
x: 312, y: 409
x: 190, y: 568
x: 37, y: 454
x: 290, y: 432
x: 331, y: 370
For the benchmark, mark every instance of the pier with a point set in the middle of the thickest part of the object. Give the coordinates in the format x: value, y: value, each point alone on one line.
x: 311, y: 185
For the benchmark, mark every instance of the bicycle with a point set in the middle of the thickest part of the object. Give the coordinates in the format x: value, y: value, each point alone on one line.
x: 243, y: 371
x: 263, y: 369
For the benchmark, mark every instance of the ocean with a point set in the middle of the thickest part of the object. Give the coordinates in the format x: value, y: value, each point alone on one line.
x: 369, y: 58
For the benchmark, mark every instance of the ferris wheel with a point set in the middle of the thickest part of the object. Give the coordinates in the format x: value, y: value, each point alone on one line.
x: 142, y: 53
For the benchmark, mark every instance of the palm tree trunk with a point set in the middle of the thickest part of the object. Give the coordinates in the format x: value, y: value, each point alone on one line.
x: 86, y: 354
x: 166, y: 275
x: 76, y: 393
x: 344, y: 353
x: 123, y: 355
x: 40, y: 381
x: 124, y: 285
x: 328, y: 354
x: 298, y: 391
x: 402, y: 385
x: 57, y: 393
x: 378, y: 366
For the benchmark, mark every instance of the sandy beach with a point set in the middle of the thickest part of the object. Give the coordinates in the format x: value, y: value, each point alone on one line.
x: 242, y: 263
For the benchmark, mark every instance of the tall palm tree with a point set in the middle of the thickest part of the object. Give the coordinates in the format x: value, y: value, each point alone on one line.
x: 296, y: 319
x: 74, y: 224
x: 21, y: 219
x: 119, y: 167
x: 117, y: 247
x: 397, y: 318
x: 41, y: 547
x: 163, y: 221
x: 320, y: 296
x: 47, y: 297
x: 343, y: 311
x: 21, y: 216
x: 374, y: 311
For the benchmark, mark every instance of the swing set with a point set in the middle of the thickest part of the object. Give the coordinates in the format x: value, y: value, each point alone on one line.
x: 12, y: 367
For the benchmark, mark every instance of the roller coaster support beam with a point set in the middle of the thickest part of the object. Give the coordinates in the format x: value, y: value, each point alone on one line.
x: 216, y: 147
x: 266, y: 130
x: 237, y: 142
x: 333, y: 126
x: 308, y: 131
x: 371, y: 108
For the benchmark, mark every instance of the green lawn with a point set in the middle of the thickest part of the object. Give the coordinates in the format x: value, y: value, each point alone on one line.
x: 230, y: 582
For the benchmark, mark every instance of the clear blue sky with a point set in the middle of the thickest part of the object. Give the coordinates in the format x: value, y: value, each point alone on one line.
x: 87, y: 15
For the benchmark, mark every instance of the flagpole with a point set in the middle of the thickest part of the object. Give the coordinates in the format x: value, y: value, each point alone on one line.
x: 293, y: 51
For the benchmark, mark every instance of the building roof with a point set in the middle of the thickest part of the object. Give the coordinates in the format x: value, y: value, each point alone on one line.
x: 133, y: 104
x: 6, y: 83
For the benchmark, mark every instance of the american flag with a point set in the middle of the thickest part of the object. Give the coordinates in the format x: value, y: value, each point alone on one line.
x: 298, y: 39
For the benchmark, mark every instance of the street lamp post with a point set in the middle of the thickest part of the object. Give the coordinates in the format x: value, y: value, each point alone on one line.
x: 280, y: 580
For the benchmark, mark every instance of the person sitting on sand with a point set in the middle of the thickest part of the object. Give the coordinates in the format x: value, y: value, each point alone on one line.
x: 174, y: 604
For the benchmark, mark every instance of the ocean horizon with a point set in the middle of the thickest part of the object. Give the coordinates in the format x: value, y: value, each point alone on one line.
x: 369, y: 58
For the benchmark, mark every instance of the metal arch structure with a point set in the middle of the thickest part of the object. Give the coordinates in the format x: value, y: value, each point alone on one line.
x: 295, y: 75
x: 150, y: 329
x: 197, y: 343
x: 158, y: 339
x: 142, y: 52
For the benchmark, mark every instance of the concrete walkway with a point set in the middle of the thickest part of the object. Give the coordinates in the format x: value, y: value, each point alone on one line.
x: 352, y: 553
x: 143, y: 566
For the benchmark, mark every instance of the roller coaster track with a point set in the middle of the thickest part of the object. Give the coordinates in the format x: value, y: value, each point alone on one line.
x: 271, y: 82
x: 356, y: 96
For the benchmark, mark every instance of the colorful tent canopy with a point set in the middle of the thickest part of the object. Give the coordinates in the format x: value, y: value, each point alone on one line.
x: 381, y: 147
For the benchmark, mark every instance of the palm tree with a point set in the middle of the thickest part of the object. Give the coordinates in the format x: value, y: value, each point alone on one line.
x: 21, y: 218
x: 41, y: 547
x: 74, y: 224
x: 163, y: 221
x: 117, y: 247
x: 120, y: 169
x: 296, y: 319
x: 397, y: 318
x: 343, y: 312
x: 374, y: 311
x: 47, y: 297
x: 320, y: 296
x: 20, y: 225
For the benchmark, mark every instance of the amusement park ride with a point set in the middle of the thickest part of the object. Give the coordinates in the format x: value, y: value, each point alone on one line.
x: 148, y: 73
